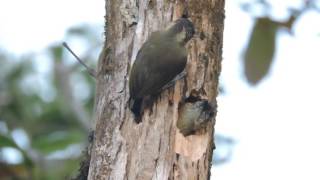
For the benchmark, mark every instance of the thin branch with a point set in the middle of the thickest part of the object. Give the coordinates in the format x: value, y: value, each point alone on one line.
x: 91, y: 71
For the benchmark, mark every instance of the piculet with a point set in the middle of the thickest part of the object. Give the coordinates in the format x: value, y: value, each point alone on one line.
x: 160, y: 59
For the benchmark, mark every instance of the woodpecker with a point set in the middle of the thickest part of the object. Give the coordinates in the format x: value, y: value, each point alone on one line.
x: 195, y: 116
x: 160, y: 59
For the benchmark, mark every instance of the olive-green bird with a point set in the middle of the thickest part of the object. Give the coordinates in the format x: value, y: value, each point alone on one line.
x: 161, y: 58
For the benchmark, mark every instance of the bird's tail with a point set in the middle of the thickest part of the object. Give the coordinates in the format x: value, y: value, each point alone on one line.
x: 135, y: 107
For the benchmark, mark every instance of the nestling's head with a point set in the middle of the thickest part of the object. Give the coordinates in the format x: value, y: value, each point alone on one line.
x: 182, y: 29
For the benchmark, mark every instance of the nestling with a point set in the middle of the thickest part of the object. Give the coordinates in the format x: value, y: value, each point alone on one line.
x: 161, y: 58
x: 195, y: 116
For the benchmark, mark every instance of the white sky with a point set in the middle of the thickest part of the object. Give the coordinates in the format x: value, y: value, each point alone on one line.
x: 276, y: 124
x: 33, y: 24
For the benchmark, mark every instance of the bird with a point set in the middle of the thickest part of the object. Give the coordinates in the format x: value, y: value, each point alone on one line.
x: 161, y: 58
x: 194, y: 116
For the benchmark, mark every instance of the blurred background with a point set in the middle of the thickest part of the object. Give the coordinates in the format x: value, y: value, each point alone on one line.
x: 267, y: 123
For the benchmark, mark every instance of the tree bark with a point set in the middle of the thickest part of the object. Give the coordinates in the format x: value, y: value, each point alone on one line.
x: 154, y: 149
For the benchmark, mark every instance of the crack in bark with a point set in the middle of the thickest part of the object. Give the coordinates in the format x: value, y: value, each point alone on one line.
x: 118, y: 151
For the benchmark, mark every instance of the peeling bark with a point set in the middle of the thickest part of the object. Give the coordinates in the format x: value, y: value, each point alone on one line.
x: 154, y: 149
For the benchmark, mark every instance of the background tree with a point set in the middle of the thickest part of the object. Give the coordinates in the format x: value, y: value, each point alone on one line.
x: 154, y: 149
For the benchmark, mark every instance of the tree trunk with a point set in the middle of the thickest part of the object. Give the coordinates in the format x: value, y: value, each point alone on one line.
x: 154, y: 149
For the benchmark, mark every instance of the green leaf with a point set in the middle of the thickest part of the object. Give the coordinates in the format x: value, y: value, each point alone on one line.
x: 85, y: 32
x: 260, y: 51
x: 7, y: 142
x: 57, y: 141
x: 78, y: 30
x: 57, y: 52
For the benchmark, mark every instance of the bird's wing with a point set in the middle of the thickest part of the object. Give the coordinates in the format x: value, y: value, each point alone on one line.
x: 156, y: 67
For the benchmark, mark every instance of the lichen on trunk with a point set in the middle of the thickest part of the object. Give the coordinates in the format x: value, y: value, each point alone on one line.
x: 154, y: 148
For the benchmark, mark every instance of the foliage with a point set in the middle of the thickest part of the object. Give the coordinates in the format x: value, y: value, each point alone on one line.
x: 259, y: 53
x: 260, y: 50
x: 40, y: 105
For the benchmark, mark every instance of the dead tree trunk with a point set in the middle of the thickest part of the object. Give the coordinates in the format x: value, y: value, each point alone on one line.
x: 154, y: 149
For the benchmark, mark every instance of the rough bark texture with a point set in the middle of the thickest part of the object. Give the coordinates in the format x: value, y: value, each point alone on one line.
x: 154, y: 149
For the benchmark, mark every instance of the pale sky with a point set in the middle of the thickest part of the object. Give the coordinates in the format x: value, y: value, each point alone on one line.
x: 33, y: 24
x: 275, y: 125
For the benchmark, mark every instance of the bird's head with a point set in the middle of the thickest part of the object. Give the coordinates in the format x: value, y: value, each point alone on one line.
x: 182, y: 30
